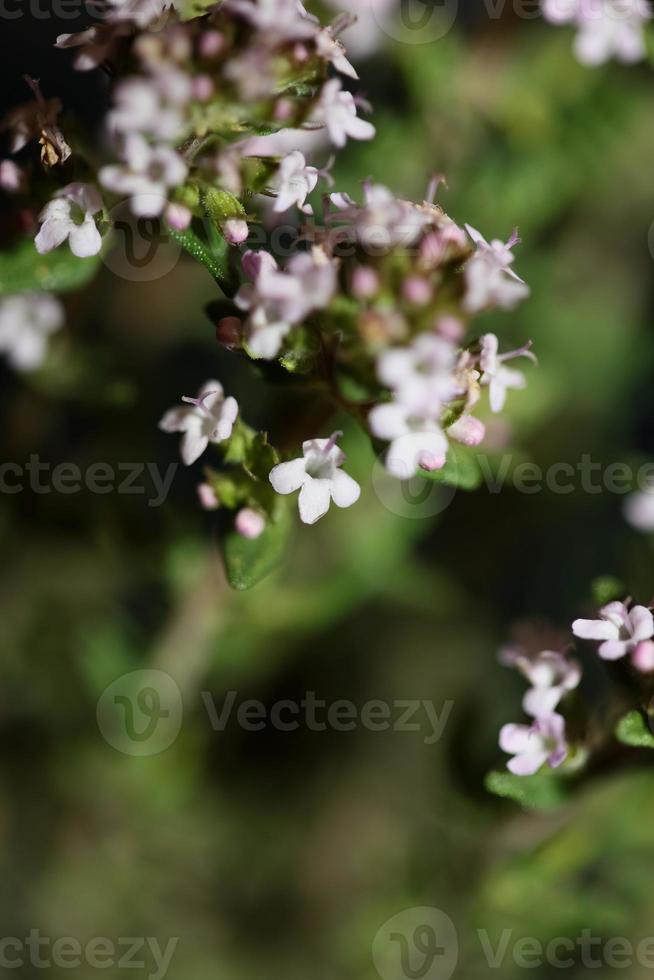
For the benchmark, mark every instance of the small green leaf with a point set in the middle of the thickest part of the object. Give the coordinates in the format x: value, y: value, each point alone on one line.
x: 542, y: 791
x: 607, y: 588
x: 24, y: 269
x: 247, y: 562
x: 461, y: 470
x: 633, y: 730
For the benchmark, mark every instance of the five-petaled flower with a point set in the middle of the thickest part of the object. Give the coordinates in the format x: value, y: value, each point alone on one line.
x: 490, y: 280
x: 533, y: 745
x: 338, y: 112
x: 619, y: 628
x: 208, y: 418
x: 70, y: 215
x: 318, y: 477
x: 146, y: 176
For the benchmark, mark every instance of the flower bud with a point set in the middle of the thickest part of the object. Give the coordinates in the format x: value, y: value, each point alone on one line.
x: 430, y: 462
x: 12, y: 178
x: 227, y: 214
x: 203, y: 88
x: 643, y: 656
x: 211, y: 43
x: 365, y: 282
x: 249, y: 523
x: 450, y: 327
x: 467, y: 430
x: 207, y: 497
x: 416, y: 290
x: 178, y: 216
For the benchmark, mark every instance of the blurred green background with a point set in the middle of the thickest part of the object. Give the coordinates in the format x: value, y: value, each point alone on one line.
x: 280, y: 855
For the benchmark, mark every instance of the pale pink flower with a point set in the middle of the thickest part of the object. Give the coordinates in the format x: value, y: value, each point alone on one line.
x: 12, y: 178
x: 490, y: 281
x: 208, y: 418
x: 318, y: 477
x: 337, y: 111
x: 147, y: 175
x: 551, y: 675
x: 467, y: 430
x: 70, y: 215
x: 619, y: 628
x: 420, y: 376
x: 26, y: 321
x: 533, y: 745
x: 249, y: 523
x: 415, y: 443
x: 605, y: 28
x: 498, y: 378
x: 294, y: 182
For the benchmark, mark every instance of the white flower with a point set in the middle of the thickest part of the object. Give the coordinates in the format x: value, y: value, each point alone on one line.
x: 605, y: 28
x: 489, y: 279
x: 276, y: 20
x: 533, y: 745
x: 69, y: 215
x: 331, y: 49
x: 279, y: 299
x: 495, y: 375
x: 26, y: 320
x: 338, y: 112
x: 146, y: 176
x: 421, y: 376
x: 415, y: 443
x: 621, y: 629
x: 384, y: 220
x: 639, y: 510
x: 208, y: 418
x: 318, y: 478
x: 139, y: 107
x: 295, y: 181
x: 551, y: 675
x: 95, y: 44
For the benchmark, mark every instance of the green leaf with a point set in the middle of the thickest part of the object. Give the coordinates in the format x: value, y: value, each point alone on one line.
x: 634, y: 730
x: 461, y: 470
x: 607, y: 588
x: 541, y: 791
x: 59, y: 271
x: 247, y: 562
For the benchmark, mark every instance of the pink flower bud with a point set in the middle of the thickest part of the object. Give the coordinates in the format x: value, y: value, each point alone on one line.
x: 430, y: 462
x: 300, y: 52
x: 365, y: 282
x: 416, y: 290
x: 249, y: 523
x: 283, y: 110
x: 207, y: 497
x: 450, y: 327
x: 203, y: 88
x: 229, y: 332
x: 643, y: 656
x: 235, y: 231
x: 178, y: 216
x: 12, y: 177
x: 467, y: 430
x: 210, y: 44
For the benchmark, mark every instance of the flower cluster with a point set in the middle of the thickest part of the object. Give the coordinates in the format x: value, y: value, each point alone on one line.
x: 622, y: 629
x: 605, y: 28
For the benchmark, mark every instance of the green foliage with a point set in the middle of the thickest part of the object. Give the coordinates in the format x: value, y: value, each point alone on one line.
x: 542, y: 791
x: 461, y: 469
x: 607, y: 588
x: 248, y: 561
x: 23, y: 269
x: 633, y: 729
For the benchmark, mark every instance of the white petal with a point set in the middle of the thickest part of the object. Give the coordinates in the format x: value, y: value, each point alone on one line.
x: 194, y: 442
x: 314, y: 500
x: 595, y: 629
x: 287, y: 477
x: 53, y: 232
x: 85, y: 239
x: 388, y: 421
x: 405, y: 454
x: 515, y: 738
x: 175, y: 419
x: 642, y: 623
x: 541, y: 701
x: 345, y: 491
x: 527, y: 764
x: 613, y: 649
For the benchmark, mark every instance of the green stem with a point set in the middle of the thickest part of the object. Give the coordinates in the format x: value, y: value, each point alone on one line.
x: 215, y: 261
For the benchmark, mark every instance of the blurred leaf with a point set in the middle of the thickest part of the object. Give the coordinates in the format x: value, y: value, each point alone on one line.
x: 59, y: 271
x: 541, y: 791
x: 461, y: 470
x: 607, y: 588
x: 633, y: 730
x: 247, y: 562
